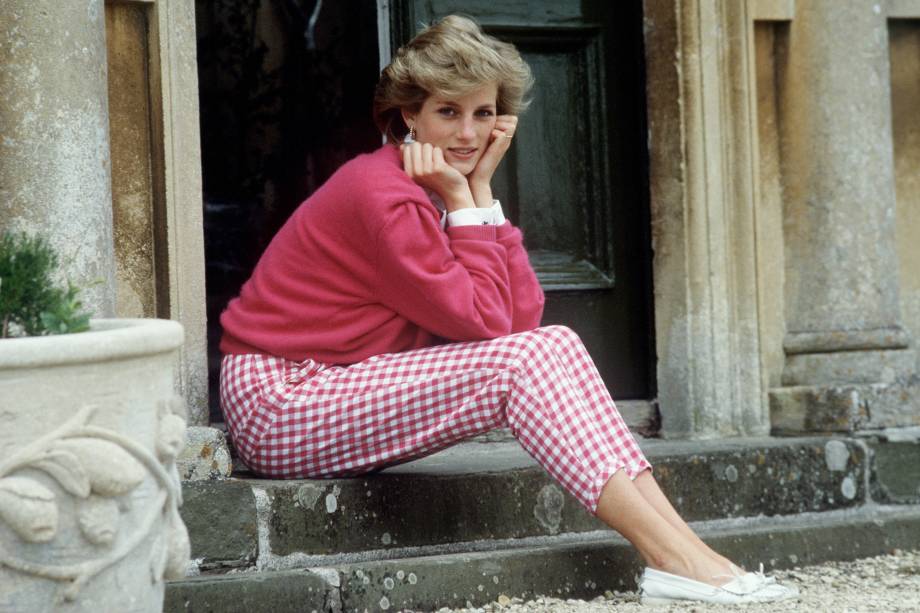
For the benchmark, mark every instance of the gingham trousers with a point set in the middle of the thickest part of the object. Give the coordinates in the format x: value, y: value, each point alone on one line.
x: 313, y: 420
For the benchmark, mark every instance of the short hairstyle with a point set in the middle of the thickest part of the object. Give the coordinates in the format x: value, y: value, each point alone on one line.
x: 449, y: 58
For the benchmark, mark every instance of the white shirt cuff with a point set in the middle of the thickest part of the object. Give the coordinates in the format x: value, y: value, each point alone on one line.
x: 498, y: 217
x: 492, y: 216
x: 470, y: 217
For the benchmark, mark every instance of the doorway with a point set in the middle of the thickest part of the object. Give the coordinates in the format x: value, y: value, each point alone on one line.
x: 286, y: 88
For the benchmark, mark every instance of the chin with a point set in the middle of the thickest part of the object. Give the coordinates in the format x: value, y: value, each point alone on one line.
x: 466, y: 168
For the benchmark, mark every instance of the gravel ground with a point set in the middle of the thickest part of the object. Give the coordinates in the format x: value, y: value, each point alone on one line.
x: 882, y: 584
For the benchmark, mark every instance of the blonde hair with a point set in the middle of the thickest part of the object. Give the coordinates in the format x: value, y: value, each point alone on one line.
x: 449, y: 58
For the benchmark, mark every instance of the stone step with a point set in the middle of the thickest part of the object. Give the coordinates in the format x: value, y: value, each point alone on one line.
x: 895, y: 465
x: 481, y: 492
x: 568, y: 565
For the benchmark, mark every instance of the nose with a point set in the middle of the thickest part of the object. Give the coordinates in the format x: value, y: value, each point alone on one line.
x: 467, y: 132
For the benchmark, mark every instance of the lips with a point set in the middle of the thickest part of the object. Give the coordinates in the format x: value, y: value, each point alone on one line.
x: 464, y: 153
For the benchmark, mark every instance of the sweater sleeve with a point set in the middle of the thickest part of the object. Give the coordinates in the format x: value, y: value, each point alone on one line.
x: 527, y: 296
x: 453, y: 284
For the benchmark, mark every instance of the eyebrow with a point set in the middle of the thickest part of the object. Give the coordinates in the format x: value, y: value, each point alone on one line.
x: 440, y: 102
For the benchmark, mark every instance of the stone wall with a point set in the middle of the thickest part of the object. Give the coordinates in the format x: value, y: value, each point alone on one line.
x: 779, y: 135
x: 99, y: 152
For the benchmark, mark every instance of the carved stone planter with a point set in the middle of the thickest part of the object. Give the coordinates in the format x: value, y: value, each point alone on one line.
x: 90, y: 427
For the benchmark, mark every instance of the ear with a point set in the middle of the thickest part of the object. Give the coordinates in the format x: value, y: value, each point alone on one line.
x: 408, y: 117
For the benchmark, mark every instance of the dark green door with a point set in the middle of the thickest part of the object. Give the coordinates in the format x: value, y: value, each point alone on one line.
x: 575, y: 179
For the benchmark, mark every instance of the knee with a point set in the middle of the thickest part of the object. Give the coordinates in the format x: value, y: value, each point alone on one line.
x: 561, y: 335
x: 546, y: 341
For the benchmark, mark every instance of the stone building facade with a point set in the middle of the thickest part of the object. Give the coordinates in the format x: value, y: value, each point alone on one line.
x: 784, y: 182
x: 784, y: 201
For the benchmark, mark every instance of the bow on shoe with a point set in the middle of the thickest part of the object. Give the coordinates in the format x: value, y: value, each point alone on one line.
x: 745, y: 582
x: 757, y: 587
x: 762, y: 577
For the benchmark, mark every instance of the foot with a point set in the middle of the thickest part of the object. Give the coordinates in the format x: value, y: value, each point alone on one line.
x: 658, y: 587
x: 699, y: 566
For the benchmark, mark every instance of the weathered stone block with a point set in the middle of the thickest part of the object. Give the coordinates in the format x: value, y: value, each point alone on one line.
x: 849, y: 367
x: 221, y: 521
x: 895, y: 406
x: 206, y: 455
x: 844, y: 408
x: 278, y: 592
x: 896, y: 465
x: 763, y: 477
x: 563, y: 570
x: 794, y: 410
x: 404, y: 510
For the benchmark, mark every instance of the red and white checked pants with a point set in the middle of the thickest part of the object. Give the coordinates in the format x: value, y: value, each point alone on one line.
x: 313, y: 420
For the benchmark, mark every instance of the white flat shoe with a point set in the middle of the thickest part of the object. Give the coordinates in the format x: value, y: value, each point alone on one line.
x: 657, y: 587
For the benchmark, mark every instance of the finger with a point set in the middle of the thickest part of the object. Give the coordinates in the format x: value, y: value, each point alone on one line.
x: 439, y: 158
x: 493, y: 153
x: 417, y: 163
x: 502, y: 138
x: 427, y: 158
x: 506, y: 129
x: 502, y: 141
x: 407, y: 159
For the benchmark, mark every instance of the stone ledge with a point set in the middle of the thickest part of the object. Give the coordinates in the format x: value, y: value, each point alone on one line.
x: 480, y: 492
x: 588, y: 568
x: 295, y: 591
x: 569, y: 566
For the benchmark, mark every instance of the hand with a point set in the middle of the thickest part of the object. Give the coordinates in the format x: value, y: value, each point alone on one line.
x: 481, y: 177
x: 425, y: 165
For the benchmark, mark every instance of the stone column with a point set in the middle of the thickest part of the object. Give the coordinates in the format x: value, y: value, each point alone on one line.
x: 701, y: 154
x: 55, y: 175
x: 848, y: 360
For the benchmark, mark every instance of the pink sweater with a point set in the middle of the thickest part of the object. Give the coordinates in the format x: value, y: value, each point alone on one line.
x: 363, y: 267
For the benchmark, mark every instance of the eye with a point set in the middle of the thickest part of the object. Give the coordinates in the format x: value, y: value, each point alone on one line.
x: 485, y: 113
x: 447, y: 111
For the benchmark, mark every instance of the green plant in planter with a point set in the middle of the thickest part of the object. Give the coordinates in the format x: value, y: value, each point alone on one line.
x: 31, y: 302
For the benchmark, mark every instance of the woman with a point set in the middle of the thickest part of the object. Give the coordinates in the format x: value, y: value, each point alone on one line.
x: 396, y: 313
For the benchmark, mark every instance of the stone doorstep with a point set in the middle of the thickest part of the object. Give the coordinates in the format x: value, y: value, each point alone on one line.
x: 568, y: 566
x: 486, y: 491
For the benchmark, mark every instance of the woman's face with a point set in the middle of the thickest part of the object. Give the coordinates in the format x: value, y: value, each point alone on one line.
x: 461, y: 127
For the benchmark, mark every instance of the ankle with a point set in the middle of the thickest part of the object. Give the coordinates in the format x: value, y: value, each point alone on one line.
x: 699, y: 568
x: 674, y: 563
